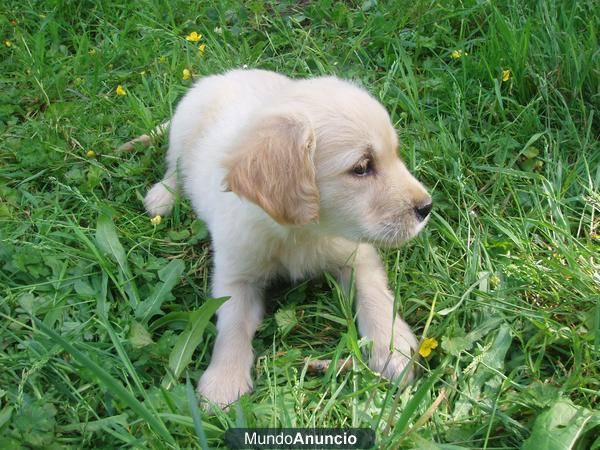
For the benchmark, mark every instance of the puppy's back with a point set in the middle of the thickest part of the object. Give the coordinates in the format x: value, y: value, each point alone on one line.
x: 220, y: 100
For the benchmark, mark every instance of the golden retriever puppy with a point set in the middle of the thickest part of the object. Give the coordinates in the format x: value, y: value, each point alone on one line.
x: 293, y: 178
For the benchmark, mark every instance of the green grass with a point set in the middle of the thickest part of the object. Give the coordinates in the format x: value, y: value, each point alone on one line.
x: 95, y: 332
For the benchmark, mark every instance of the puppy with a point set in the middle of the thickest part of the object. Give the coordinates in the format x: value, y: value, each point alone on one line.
x: 293, y: 178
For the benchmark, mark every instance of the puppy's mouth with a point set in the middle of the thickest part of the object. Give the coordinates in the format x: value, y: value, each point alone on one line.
x: 393, y: 235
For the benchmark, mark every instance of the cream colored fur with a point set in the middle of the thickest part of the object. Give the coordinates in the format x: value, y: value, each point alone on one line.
x: 269, y: 163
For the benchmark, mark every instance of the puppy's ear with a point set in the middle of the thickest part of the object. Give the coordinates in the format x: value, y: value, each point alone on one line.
x: 272, y: 166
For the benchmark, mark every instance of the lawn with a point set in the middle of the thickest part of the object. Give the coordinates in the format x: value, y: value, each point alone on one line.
x: 104, y: 315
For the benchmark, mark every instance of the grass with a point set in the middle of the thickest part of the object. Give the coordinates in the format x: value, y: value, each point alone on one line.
x: 96, y: 304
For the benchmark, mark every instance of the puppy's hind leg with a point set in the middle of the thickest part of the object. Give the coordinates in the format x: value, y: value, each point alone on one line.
x: 160, y: 198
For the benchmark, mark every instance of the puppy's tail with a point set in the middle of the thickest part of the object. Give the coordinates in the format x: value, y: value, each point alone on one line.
x: 145, y: 139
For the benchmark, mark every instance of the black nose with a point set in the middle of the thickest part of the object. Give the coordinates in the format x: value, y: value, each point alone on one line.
x: 423, y: 211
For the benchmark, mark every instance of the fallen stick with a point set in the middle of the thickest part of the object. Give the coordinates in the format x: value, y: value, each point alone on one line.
x: 321, y: 365
x: 145, y: 139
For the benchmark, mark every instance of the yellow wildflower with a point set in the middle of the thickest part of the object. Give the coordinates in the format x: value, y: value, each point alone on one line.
x: 494, y: 281
x: 505, y: 75
x: 92, y: 51
x: 120, y: 90
x: 186, y: 74
x: 193, y: 37
x: 201, y: 49
x: 7, y: 43
x: 426, y: 347
x: 156, y: 220
x: 90, y: 153
x: 162, y: 59
x: 456, y: 54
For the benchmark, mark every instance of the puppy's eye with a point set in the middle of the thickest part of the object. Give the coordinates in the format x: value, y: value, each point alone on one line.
x: 363, y: 168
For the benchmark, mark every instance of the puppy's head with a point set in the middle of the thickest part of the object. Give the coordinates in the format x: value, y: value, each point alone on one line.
x: 327, y: 157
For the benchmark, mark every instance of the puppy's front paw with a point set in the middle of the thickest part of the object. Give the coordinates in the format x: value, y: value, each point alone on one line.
x: 223, y: 386
x: 391, y: 365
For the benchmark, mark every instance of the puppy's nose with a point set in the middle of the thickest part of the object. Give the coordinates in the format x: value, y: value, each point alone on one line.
x: 423, y: 211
